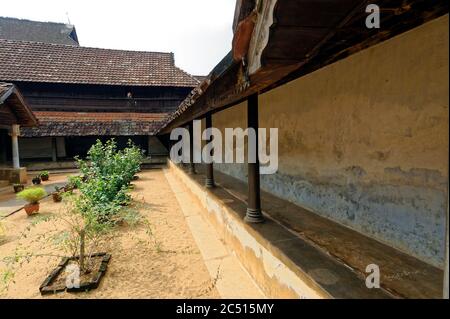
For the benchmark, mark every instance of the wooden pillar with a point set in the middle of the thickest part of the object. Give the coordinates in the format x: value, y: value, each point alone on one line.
x: 209, y: 181
x: 191, y: 146
x: 54, y: 150
x: 15, y: 132
x: 61, y: 147
x: 149, y: 145
x: 254, y: 214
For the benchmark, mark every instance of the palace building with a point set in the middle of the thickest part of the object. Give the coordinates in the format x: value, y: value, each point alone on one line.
x: 79, y: 94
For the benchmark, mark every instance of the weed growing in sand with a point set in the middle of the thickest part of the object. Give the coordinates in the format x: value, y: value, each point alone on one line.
x: 153, y: 240
x: 158, y: 245
x: 2, y: 233
x: 6, y: 277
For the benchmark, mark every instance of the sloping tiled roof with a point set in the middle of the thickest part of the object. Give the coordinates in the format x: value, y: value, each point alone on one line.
x: 13, y: 108
x: 55, y: 63
x: 94, y: 124
x: 48, y: 32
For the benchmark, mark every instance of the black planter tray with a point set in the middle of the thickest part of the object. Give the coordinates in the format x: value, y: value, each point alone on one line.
x: 46, y: 288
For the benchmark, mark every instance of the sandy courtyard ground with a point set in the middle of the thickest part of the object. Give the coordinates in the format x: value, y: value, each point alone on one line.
x: 163, y: 262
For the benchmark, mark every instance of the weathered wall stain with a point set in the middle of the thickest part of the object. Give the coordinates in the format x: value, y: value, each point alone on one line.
x: 420, y: 176
x: 364, y: 141
x: 407, y: 217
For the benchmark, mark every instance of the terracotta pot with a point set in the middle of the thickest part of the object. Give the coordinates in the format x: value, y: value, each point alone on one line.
x: 44, y: 178
x: 57, y: 197
x: 30, y: 209
x: 18, y: 188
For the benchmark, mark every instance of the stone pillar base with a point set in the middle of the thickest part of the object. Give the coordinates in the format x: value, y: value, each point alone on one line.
x: 14, y: 175
x: 209, y: 183
x: 254, y: 216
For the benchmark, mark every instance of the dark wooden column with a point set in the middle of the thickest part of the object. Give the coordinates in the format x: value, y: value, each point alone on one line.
x: 209, y: 181
x: 191, y: 146
x: 254, y: 214
x: 54, y: 150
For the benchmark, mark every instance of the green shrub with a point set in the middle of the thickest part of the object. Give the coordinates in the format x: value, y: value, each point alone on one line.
x: 105, y: 161
x: 32, y: 195
x: 107, y: 174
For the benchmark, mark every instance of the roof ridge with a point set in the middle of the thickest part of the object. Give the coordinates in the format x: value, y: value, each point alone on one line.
x: 82, y: 47
x: 36, y: 21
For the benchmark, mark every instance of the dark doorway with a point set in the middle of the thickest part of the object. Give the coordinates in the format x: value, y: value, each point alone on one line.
x: 79, y: 145
x: 5, y: 147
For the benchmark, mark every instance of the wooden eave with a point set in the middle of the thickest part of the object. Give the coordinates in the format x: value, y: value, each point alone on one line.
x: 14, y: 101
x: 303, y: 36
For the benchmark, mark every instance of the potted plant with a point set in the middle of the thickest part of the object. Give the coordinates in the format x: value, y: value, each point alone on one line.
x: 18, y: 187
x: 57, y: 197
x: 36, y: 180
x: 32, y: 195
x: 45, y: 175
x: 74, y: 183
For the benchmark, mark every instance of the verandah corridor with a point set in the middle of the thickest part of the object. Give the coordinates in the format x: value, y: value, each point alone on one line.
x: 326, y: 255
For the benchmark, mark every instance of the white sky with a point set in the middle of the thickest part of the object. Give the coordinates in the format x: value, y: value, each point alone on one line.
x: 197, y: 31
